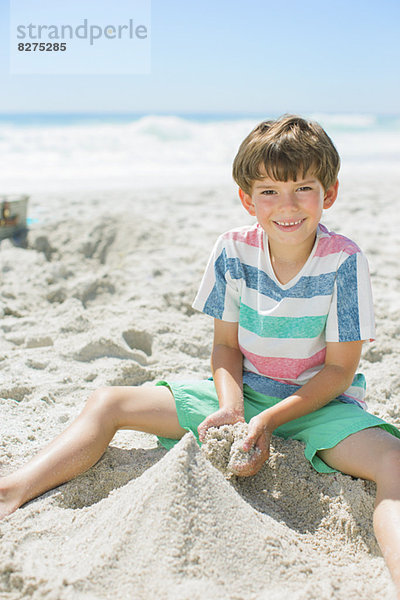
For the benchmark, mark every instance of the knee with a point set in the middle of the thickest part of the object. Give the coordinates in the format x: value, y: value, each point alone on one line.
x: 103, y: 401
x: 389, y: 465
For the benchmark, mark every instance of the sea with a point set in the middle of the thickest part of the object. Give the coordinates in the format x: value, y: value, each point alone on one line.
x: 61, y: 152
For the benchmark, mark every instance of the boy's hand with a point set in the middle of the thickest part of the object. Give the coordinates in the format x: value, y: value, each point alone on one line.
x: 260, y: 437
x: 223, y: 416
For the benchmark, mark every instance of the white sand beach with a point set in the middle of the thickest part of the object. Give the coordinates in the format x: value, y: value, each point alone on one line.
x: 102, y: 296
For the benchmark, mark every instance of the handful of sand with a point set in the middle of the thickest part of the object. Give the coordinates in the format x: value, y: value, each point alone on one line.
x: 223, y: 447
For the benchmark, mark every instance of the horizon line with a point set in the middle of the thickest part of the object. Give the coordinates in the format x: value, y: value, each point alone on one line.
x: 191, y: 112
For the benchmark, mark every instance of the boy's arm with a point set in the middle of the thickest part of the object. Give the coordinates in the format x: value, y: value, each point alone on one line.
x: 227, y: 365
x: 341, y: 362
x: 227, y: 371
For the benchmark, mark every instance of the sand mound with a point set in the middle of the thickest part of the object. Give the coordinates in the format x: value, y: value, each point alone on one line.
x: 180, y: 525
x: 181, y: 531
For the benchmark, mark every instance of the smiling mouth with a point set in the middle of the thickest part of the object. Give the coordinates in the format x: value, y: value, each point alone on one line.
x: 289, y: 223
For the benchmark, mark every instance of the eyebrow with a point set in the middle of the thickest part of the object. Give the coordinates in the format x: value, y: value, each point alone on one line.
x: 274, y: 185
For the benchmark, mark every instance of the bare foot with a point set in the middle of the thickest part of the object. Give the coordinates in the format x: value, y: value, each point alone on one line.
x: 9, y: 499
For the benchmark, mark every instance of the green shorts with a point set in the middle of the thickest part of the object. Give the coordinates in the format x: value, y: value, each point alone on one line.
x: 318, y: 430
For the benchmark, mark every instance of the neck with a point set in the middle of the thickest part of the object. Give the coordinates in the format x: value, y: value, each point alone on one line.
x: 290, y: 255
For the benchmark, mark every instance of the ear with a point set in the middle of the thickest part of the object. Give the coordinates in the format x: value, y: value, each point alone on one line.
x: 247, y: 202
x: 331, y: 194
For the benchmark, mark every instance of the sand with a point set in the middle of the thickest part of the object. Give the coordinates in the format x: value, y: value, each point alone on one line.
x: 102, y: 296
x: 223, y: 447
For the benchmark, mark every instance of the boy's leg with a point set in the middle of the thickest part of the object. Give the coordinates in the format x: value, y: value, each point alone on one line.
x: 149, y: 409
x: 374, y: 454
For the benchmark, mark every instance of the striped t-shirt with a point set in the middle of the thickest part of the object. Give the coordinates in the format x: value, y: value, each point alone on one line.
x: 283, y: 329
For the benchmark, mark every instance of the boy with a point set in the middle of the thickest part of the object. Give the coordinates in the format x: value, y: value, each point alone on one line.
x: 292, y: 305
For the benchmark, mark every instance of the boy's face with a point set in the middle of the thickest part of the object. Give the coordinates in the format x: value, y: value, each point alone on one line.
x: 289, y: 211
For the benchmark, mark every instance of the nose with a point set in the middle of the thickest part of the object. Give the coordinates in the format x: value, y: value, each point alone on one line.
x: 289, y: 201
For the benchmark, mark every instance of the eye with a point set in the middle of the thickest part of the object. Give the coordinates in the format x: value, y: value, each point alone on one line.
x: 304, y: 188
x: 268, y: 192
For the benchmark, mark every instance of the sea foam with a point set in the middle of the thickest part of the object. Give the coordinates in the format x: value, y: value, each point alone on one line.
x: 157, y: 151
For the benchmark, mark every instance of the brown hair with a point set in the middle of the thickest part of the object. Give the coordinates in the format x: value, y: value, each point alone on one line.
x: 285, y: 149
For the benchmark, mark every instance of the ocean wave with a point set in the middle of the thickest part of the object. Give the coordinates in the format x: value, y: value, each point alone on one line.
x: 158, y: 150
x: 346, y: 121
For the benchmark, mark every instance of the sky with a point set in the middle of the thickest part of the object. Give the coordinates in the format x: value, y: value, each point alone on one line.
x: 232, y: 57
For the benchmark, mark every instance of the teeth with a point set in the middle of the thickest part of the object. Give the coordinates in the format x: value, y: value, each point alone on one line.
x: 288, y: 224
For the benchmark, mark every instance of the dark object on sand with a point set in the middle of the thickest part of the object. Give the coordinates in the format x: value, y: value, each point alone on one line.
x: 13, y: 211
